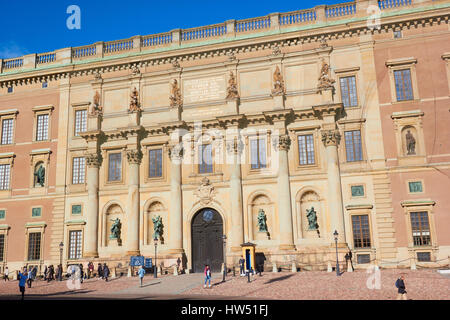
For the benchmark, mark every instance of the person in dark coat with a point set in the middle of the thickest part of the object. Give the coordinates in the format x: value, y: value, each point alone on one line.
x: 22, y: 280
x: 100, y: 271
x: 81, y: 272
x: 242, y: 266
x: 45, y: 273
x: 105, y: 272
x: 51, y: 273
x: 401, y: 286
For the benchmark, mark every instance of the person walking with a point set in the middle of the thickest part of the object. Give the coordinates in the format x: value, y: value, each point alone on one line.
x: 141, y: 273
x: 100, y: 271
x: 22, y: 280
x: 105, y: 272
x: 30, y: 279
x: 6, y: 274
x: 241, y: 266
x: 81, y: 272
x: 45, y: 273
x: 207, y: 276
x: 91, y: 270
x: 50, y: 273
x: 401, y: 286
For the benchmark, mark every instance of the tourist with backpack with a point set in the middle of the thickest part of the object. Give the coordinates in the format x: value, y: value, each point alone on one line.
x: 400, y: 284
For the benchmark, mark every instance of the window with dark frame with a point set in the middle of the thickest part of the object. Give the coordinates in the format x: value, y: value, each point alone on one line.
x: 75, y: 244
x: 258, y: 153
x: 42, y: 127
x: 361, y: 231
x: 306, y: 149
x: 155, y: 163
x: 80, y: 121
x: 115, y: 167
x: 397, y: 34
x: 2, y: 247
x: 44, y: 84
x: 34, y: 246
x: 205, y: 164
x: 348, y: 91
x: 420, y: 228
x: 424, y: 256
x: 7, y: 131
x: 5, y: 170
x: 353, y: 145
x: 403, y: 85
x: 10, y: 89
x: 78, y: 170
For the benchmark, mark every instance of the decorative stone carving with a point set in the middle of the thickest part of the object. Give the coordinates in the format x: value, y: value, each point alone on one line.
x: 262, y: 221
x: 134, y: 156
x: 175, y: 97
x: 325, y: 81
x: 175, y: 64
x: 157, y: 227
x: 323, y: 43
x: 311, y: 214
x: 282, y: 142
x: 278, y: 82
x: 232, y: 91
x: 96, y: 108
x: 410, y: 143
x: 276, y: 50
x: 331, y: 137
x: 93, y: 160
x: 135, y: 70
x: 134, y: 102
x: 231, y: 56
x: 235, y: 146
x: 176, y: 152
x: 97, y: 76
x: 205, y: 191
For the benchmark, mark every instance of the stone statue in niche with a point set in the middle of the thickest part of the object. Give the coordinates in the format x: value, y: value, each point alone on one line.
x: 96, y: 108
x: 39, y: 175
x: 116, y: 229
x: 311, y: 214
x: 175, y: 97
x: 157, y: 227
x: 134, y: 103
x: 325, y: 81
x: 232, y: 91
x: 262, y: 224
x: 410, y: 143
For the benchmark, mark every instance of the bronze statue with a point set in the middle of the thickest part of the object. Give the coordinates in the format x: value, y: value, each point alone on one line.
x: 39, y: 175
x: 115, y: 229
x: 157, y: 227
x: 410, y: 143
x: 312, y: 218
x: 262, y: 225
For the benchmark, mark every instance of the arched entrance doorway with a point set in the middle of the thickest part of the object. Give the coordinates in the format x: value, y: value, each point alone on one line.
x: 207, y: 243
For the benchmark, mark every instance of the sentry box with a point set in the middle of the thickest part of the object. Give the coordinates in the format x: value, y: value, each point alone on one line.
x: 248, y: 252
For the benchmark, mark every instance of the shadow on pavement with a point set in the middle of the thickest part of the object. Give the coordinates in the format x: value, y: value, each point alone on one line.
x: 279, y: 278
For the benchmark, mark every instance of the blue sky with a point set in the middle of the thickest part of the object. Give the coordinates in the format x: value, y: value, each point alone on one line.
x: 40, y: 26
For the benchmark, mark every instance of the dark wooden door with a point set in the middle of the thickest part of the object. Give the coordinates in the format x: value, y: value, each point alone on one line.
x: 207, y: 243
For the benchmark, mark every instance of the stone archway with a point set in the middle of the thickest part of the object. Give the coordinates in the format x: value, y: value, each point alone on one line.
x: 207, y: 243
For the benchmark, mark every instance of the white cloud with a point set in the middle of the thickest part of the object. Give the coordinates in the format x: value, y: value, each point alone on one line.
x: 11, y: 50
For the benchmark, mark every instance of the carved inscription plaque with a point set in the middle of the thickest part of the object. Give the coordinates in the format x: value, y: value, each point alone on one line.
x: 205, y: 89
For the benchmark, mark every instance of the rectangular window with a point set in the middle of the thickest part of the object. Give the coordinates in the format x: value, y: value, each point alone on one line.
x: 78, y: 170
x: 7, y: 131
x: 205, y: 164
x: 75, y: 238
x: 4, y: 176
x: 34, y: 246
x: 397, y: 34
x: 258, y: 153
x: 420, y: 228
x: 80, y: 121
x: 423, y: 256
x: 403, y: 85
x: 76, y: 209
x: 415, y: 186
x: 155, y: 163
x: 42, y: 127
x: 115, y: 167
x: 306, y: 149
x: 10, y: 90
x: 357, y: 191
x: 363, y: 258
x: 353, y: 145
x: 2, y: 214
x: 2, y: 247
x: 361, y: 231
x: 348, y: 91
x: 36, y: 212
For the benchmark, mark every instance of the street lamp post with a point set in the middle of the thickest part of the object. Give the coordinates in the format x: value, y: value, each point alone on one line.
x: 224, y: 237
x: 61, y: 247
x: 336, y: 234
x: 155, y: 268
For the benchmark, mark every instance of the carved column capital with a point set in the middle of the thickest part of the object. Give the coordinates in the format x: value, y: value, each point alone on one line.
x: 93, y: 159
x: 235, y: 146
x: 331, y: 137
x: 134, y: 156
x: 176, y: 152
x: 282, y: 142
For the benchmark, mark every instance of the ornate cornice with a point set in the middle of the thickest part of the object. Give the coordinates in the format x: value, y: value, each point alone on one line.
x: 90, y: 136
x: 282, y: 142
x: 134, y: 156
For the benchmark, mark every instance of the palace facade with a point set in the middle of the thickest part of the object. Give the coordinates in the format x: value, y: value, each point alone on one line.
x: 297, y: 132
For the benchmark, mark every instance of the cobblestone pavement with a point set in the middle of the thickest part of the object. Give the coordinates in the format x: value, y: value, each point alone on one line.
x: 420, y: 284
